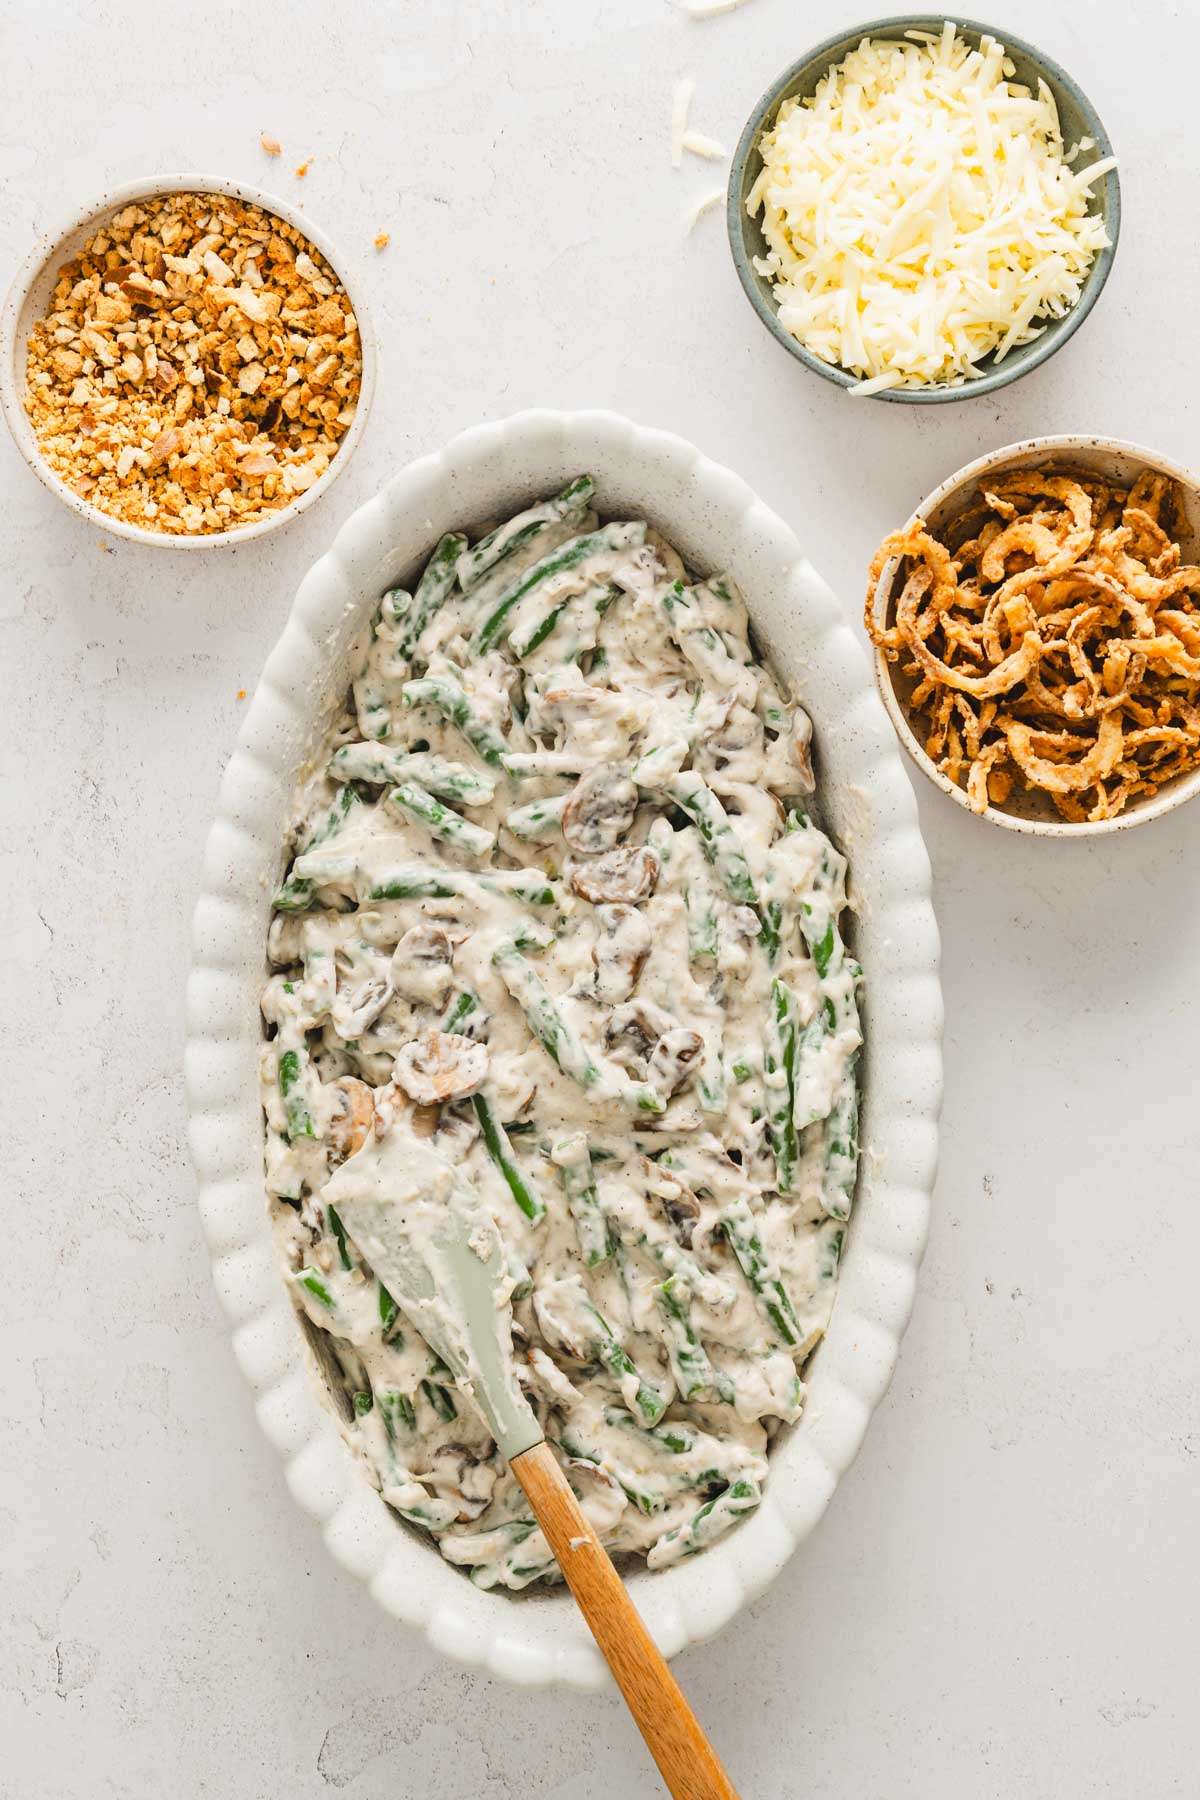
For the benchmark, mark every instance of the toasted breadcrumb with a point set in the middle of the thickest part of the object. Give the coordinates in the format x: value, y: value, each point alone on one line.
x: 197, y: 367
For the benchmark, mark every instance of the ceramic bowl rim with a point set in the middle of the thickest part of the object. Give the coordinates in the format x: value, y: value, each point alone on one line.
x: 1026, y: 357
x: 12, y: 348
x: 1061, y: 444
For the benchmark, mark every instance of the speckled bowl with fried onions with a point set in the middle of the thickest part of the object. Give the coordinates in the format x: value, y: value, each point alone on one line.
x: 1112, y: 459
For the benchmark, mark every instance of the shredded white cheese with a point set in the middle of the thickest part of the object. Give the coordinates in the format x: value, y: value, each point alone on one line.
x: 710, y: 9
x: 699, y: 145
x: 681, y: 103
x: 703, y: 205
x: 920, y: 212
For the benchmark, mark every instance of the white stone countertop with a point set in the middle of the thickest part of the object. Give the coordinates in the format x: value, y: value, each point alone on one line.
x: 1001, y: 1600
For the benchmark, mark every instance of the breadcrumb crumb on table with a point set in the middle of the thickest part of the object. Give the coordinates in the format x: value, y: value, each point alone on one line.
x: 272, y: 146
x: 382, y: 239
x: 303, y: 168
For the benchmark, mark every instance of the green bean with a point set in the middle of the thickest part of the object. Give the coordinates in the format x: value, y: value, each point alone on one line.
x: 779, y: 1061
x: 546, y: 1020
x: 608, y: 542
x: 433, y: 590
x: 500, y: 1151
x: 339, y: 1232
x: 720, y: 841
x: 462, y: 1007
x: 495, y: 549
x: 672, y: 1434
x: 441, y: 1400
x: 700, y: 903
x: 525, y: 639
x: 829, y: 1250
x: 521, y: 763
x: 393, y: 608
x: 741, y: 1233
x: 646, y: 1499
x: 689, y: 1363
x: 381, y: 764
x: 398, y: 1413
x: 713, y: 1518
x: 529, y: 885
x: 389, y: 1312
x: 292, y: 1066
x: 451, y: 700
x: 700, y: 643
x: 826, y: 898
x: 651, y: 1401
x: 530, y: 935
x: 540, y: 819
x: 522, y: 1280
x: 296, y: 892
x: 414, y: 883
x: 841, y: 1147
x: 559, y: 1039
x: 574, y: 1163
x: 656, y: 766
x: 309, y: 1278
x: 425, y: 881
x: 710, y: 1082
x: 810, y: 1102
x: 442, y: 822
x: 771, y: 935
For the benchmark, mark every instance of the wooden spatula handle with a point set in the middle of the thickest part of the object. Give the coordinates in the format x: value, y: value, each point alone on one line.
x: 686, y: 1759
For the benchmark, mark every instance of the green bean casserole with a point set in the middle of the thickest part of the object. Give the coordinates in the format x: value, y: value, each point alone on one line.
x: 558, y: 902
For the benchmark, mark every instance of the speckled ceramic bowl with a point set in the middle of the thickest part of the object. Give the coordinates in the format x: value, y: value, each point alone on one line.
x: 28, y: 299
x: 1115, y: 460
x: 867, y: 802
x: 1078, y: 118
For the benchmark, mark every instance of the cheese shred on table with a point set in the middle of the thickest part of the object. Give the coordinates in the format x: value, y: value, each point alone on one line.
x: 921, y: 212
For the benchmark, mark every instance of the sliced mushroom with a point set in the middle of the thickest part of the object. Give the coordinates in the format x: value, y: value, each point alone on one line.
x: 678, y: 1202
x: 458, y: 1475
x: 787, y: 767
x: 675, y: 1058
x: 353, y: 1115
x: 600, y: 810
x: 284, y: 939
x: 745, y: 921
x: 600, y: 1494
x: 623, y: 876
x: 619, y: 952
x: 440, y: 1066
x: 392, y: 1104
x: 634, y: 1029
x: 422, y: 964
x: 355, y: 1009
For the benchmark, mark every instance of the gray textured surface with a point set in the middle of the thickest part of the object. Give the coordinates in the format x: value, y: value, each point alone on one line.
x: 1001, y: 1599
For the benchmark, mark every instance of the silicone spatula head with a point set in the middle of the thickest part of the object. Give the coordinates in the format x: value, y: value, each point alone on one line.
x: 433, y: 1244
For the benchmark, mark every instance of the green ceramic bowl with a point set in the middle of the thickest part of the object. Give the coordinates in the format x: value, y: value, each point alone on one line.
x: 1078, y: 118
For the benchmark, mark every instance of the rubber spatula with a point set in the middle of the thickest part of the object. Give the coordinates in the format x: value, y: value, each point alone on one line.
x: 433, y: 1244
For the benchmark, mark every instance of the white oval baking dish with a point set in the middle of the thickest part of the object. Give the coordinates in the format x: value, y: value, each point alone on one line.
x: 717, y: 523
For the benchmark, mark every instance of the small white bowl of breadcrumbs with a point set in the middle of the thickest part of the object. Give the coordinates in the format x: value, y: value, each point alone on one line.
x: 186, y: 364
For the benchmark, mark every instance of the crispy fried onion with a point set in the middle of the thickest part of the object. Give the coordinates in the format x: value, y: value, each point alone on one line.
x: 1049, y: 641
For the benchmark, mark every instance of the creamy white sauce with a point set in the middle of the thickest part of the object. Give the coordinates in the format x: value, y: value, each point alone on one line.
x: 580, y: 849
